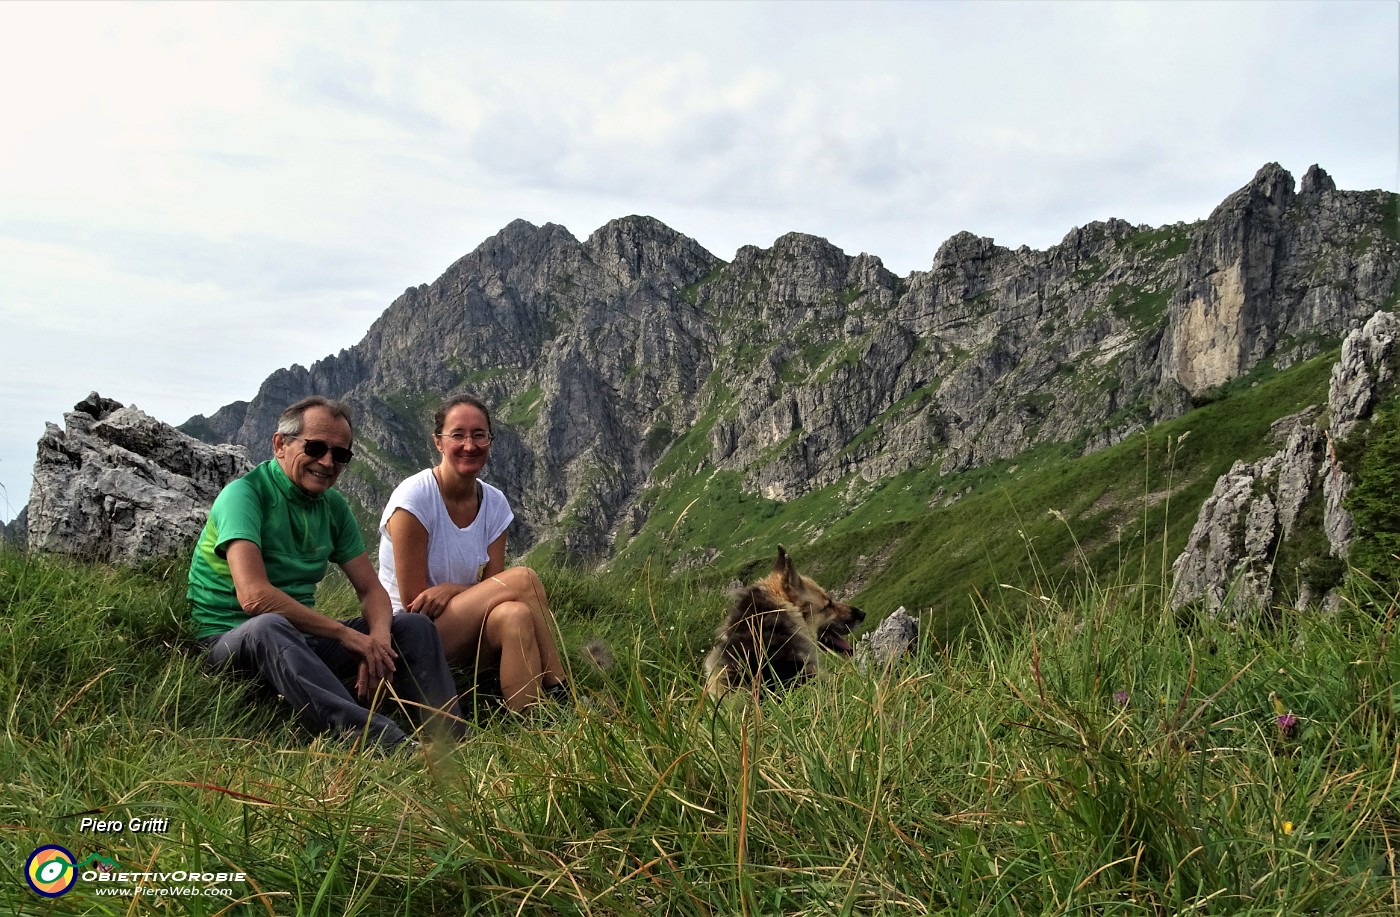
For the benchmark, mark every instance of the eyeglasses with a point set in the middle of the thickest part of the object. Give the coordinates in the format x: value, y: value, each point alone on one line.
x: 478, y: 437
x: 317, y: 448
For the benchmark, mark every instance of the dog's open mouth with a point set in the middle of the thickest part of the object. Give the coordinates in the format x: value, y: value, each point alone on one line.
x: 835, y: 641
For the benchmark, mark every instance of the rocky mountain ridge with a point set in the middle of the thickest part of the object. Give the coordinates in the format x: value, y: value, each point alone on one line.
x: 623, y: 363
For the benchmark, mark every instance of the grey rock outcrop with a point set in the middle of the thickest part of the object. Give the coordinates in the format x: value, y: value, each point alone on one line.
x: 1362, y: 370
x: 1229, y: 556
x: 895, y: 636
x: 1365, y: 368
x: 116, y: 485
x: 1228, y: 562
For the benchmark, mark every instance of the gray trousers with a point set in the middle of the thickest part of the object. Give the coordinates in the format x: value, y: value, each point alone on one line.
x: 313, y: 673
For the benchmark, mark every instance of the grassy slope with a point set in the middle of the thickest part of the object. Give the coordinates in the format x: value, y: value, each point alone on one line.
x: 1095, y: 755
x: 1086, y: 751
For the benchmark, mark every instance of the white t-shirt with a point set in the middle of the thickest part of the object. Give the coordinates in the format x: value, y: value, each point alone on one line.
x: 455, y: 555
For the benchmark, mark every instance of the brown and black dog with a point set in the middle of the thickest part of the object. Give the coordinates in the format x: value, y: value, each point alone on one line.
x: 776, y: 631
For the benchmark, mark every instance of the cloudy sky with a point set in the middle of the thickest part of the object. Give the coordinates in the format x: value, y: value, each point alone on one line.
x: 193, y: 195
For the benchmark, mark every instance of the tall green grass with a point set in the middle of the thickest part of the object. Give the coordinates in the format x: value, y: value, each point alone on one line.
x: 1089, y: 752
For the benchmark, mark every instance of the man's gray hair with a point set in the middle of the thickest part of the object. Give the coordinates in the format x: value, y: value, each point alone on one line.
x: 294, y: 417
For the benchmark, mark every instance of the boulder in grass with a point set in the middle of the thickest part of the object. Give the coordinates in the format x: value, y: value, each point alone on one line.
x: 896, y: 636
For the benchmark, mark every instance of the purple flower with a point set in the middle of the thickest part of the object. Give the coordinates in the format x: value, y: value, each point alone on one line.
x: 1287, y: 725
x: 1120, y: 698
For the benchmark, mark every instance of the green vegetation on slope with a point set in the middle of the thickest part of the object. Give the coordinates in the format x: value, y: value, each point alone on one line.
x: 1059, y: 741
x: 1374, y: 505
x: 1096, y: 756
x: 928, y: 541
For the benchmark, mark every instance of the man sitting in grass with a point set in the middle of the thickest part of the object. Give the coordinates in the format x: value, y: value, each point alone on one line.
x: 270, y: 537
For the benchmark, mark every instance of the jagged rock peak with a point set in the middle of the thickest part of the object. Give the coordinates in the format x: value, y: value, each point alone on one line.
x: 1272, y: 184
x: 964, y: 247
x: 641, y: 246
x: 801, y: 244
x: 1270, y: 175
x: 518, y: 232
x: 16, y: 532
x: 97, y: 407
x: 518, y: 241
x: 1317, y: 181
x: 1229, y: 309
x: 1090, y: 233
x: 868, y: 271
x: 792, y: 248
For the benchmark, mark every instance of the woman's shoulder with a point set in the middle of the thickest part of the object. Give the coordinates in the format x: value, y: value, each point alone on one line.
x: 495, y: 510
x: 492, y: 494
x: 414, y: 481
x: 410, y: 491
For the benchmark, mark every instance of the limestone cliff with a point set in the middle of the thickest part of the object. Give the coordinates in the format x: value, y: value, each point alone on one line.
x: 1271, y: 271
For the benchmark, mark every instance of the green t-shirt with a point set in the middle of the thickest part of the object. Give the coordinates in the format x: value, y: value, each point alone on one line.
x: 299, y: 535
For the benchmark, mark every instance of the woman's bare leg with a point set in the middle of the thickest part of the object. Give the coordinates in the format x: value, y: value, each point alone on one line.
x: 510, y: 631
x: 523, y: 585
x: 461, y: 629
x: 505, y: 618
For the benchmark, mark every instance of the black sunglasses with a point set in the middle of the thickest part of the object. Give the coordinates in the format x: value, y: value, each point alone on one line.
x: 316, y: 448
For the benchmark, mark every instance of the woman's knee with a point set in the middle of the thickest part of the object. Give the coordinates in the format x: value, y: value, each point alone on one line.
x: 524, y: 583
x: 511, y: 621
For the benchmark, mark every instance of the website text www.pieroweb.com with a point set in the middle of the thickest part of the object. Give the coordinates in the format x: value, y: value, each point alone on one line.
x: 52, y: 870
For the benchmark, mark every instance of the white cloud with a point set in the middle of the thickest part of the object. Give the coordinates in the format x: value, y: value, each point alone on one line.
x: 194, y: 195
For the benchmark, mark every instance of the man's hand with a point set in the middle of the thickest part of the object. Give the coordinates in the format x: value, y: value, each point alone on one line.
x: 376, y: 659
x: 376, y: 654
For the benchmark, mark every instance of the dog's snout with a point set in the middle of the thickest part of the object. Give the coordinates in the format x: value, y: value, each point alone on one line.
x: 857, y: 615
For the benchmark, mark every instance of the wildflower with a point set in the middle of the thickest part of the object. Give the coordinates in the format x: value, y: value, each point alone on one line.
x: 1120, y: 698
x: 1287, y: 725
x: 1287, y: 828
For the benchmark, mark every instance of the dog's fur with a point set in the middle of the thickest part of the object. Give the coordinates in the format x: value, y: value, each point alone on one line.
x: 776, y: 632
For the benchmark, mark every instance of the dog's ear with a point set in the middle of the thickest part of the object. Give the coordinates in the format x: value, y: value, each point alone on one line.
x: 783, y: 566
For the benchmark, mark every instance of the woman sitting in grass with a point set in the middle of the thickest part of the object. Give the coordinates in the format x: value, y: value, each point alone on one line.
x: 442, y: 554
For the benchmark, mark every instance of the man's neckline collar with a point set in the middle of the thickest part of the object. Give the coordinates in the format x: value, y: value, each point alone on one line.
x: 290, y: 487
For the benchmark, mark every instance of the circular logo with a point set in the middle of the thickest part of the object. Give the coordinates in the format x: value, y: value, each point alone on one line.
x: 50, y: 871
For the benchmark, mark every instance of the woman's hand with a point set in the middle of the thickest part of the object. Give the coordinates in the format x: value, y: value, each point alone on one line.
x: 434, y: 600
